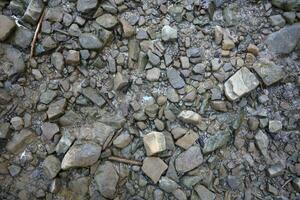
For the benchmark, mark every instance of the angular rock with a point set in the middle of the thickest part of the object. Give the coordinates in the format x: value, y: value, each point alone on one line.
x: 168, y: 33
x: 90, y: 41
x: 216, y: 141
x: 154, y: 167
x: 73, y: 57
x: 262, y: 143
x: 82, y: 154
x: 167, y: 184
x: 122, y: 140
x: 204, y: 193
x: 154, y: 142
x: 296, y: 184
x: 242, y: 82
x: 269, y: 72
x: 275, y: 126
x: 51, y: 166
x: 189, y: 116
x: 107, y: 21
x: 69, y: 118
x: 20, y: 141
x: 4, y: 129
x: 7, y: 26
x: 22, y: 37
x: 57, y: 59
x: 17, y: 123
x: 14, y: 56
x: 189, y: 159
x: 93, y: 95
x: 106, y: 178
x: 128, y: 30
x: 153, y: 58
x: 33, y: 11
x: 187, y: 140
x: 64, y: 143
x: 153, y: 74
x: 56, y: 109
x: 120, y: 81
x: 275, y: 170
x: 85, y: 6
x: 48, y: 96
x: 49, y: 130
x: 175, y: 79
x: 286, y: 4
x: 277, y: 20
x: 4, y: 97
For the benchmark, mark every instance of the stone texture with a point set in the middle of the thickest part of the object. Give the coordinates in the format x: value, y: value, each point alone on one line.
x: 154, y: 142
x: 262, y: 142
x: 154, y: 167
x: 204, y: 193
x: 20, y: 141
x: 187, y: 140
x: 90, y: 41
x: 86, y: 6
x: 93, y: 95
x: 189, y: 116
x: 49, y: 130
x: 175, y: 79
x: 56, y: 109
x: 107, y: 21
x: 216, y: 141
x: 269, y: 72
x: 189, y: 159
x: 7, y: 26
x: 51, y: 166
x: 168, y: 33
x: 33, y: 11
x: 122, y: 140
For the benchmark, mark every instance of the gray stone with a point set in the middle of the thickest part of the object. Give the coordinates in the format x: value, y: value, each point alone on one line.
x: 48, y: 44
x: 187, y: 140
x: 22, y: 37
x: 106, y: 178
x: 154, y: 142
x: 287, y: 4
x: 172, y: 95
x: 296, y: 184
x: 194, y: 52
x: 16, y: 58
x: 51, y: 166
x: 107, y: 21
x: 269, y: 72
x: 290, y: 17
x: 189, y: 116
x: 275, y: 170
x: 285, y: 40
x: 189, y: 159
x: 33, y: 11
x: 69, y: 118
x: 20, y: 141
x: 14, y: 170
x: 90, y: 41
x: 49, y: 130
x: 54, y: 14
x: 167, y: 184
x: 80, y: 186
x: 242, y: 82
x: 122, y: 140
x: 93, y: 95
x: 81, y: 154
x: 57, y: 59
x: 216, y: 141
x: 168, y: 33
x: 4, y: 129
x: 48, y: 96
x: 277, y: 20
x: 262, y: 143
x: 199, y: 68
x: 56, y: 109
x: 179, y: 194
x: 204, y: 193
x: 120, y: 81
x: 275, y: 126
x: 17, y: 123
x: 175, y: 79
x: 7, y: 26
x: 73, y: 57
x: 153, y: 58
x: 154, y: 167
x: 86, y: 6
x: 4, y: 97
x: 64, y: 143
x: 153, y: 74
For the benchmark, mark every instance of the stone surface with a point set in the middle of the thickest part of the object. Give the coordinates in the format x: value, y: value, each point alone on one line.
x: 49, y: 130
x: 122, y: 140
x: 262, y: 142
x: 275, y: 126
x: 187, y: 140
x: 154, y: 167
x: 17, y: 123
x: 120, y: 81
x: 90, y: 41
x: 275, y: 170
x: 33, y: 11
x: 189, y: 159
x: 56, y: 109
x: 4, y: 129
x: 107, y: 21
x: 269, y: 72
x: 168, y: 33
x: 153, y: 74
x: 57, y: 60
x: 242, y: 82
x: 216, y: 141
x: 51, y: 166
x: 86, y: 6
x: 175, y: 79
x: 154, y: 142
x: 167, y: 184
x: 204, y: 193
x: 189, y: 116
x: 93, y: 95
x: 7, y: 26
x: 20, y: 141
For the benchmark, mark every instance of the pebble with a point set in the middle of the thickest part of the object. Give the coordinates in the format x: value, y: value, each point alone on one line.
x: 168, y: 33
x: 187, y: 140
x: 154, y: 142
x: 17, y: 123
x: 107, y: 21
x: 154, y: 167
x: 7, y: 26
x: 122, y: 140
x: 189, y: 116
x: 189, y: 159
x: 275, y: 126
x: 262, y: 142
x: 175, y: 79
x: 51, y: 166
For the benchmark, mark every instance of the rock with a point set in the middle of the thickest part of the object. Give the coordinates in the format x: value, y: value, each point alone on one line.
x: 48, y: 44
x: 219, y: 106
x: 48, y: 96
x: 199, y: 68
x: 253, y: 123
x: 216, y: 64
x: 153, y: 58
x: 22, y: 37
x: 69, y: 118
x: 17, y: 123
x: 189, y: 116
x: 269, y: 72
x: 277, y: 20
x: 153, y: 74
x: 56, y: 109
x: 93, y: 95
x: 14, y: 170
x: 296, y: 184
x: 187, y: 140
x: 154, y: 167
x: 216, y: 141
x: 49, y: 130
x: 167, y: 184
x: 242, y: 82
x: 86, y: 6
x: 54, y: 14
x: 175, y: 79
x: 122, y: 140
x: 185, y: 63
x: 90, y: 41
x: 204, y: 193
x: 82, y: 154
x: 37, y: 74
x: 154, y: 142
x: 106, y: 178
x: 189, y: 159
x: 120, y: 81
x: 218, y: 34
x: 290, y: 17
x: 128, y: 30
x: 262, y: 143
x: 285, y: 40
x: 51, y: 166
x: 172, y: 95
x: 20, y: 141
x: 80, y: 186
x: 73, y: 57
x: 107, y: 21
x: 275, y: 126
x: 179, y: 194
x: 16, y: 58
x: 275, y: 170
x: 4, y: 97
x: 64, y: 143
x: 253, y: 49
x: 57, y: 60
x: 7, y: 26
x: 168, y: 33
x: 194, y: 52
x: 227, y: 44
x: 178, y: 132
x: 33, y: 11
x: 4, y: 129
x: 286, y: 5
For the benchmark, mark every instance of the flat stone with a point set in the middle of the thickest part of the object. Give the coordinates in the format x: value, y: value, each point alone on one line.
x: 167, y: 184
x: 107, y: 21
x: 172, y: 95
x: 90, y: 41
x: 73, y: 57
x: 187, y: 140
x: 216, y: 141
x: 82, y: 154
x: 86, y: 6
x: 269, y: 72
x: 296, y: 184
x: 33, y: 11
x: 204, y: 193
x: 4, y: 129
x: 154, y: 142
x: 262, y: 142
x: 168, y: 33
x: 20, y: 141
x: 17, y: 123
x: 48, y: 96
x: 153, y: 74
x: 239, y: 84
x: 49, y: 130
x: 15, y: 57
x: 93, y: 95
x: 120, y: 81
x: 64, y: 143
x: 189, y: 116
x: 175, y: 79
x: 14, y: 170
x: 122, y: 140
x: 275, y: 170
x: 7, y: 25
x: 153, y: 58
x: 22, y: 37
x: 128, y: 30
x: 57, y: 59
x: 277, y: 20
x: 106, y: 178
x: 189, y: 159
x: 275, y: 126
x: 178, y: 132
x: 154, y: 167
x: 51, y: 166
x: 56, y: 109
x: 69, y: 118
x: 227, y: 44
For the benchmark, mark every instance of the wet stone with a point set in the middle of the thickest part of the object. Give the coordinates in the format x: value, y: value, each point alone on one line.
x: 154, y: 167
x: 51, y: 166
x: 189, y: 159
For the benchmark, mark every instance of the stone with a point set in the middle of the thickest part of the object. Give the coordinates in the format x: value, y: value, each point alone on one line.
x: 51, y: 166
x: 69, y: 118
x: 168, y: 33
x: 175, y: 79
x: 219, y: 106
x: 153, y: 74
x: 81, y: 154
x: 73, y: 57
x: 296, y: 184
x: 154, y: 167
x: 57, y: 60
x: 37, y: 74
x: 218, y: 34
x: 262, y: 143
x: 277, y: 20
x: 122, y: 140
x: 153, y: 58
x: 17, y: 123
x: 128, y: 30
x: 253, y: 49
x: 286, y: 4
x: 275, y: 170
x: 187, y: 140
x: 253, y: 123
x: 172, y: 95
x: 194, y: 52
x: 15, y: 57
x: 14, y: 170
x: 167, y: 184
x: 22, y: 37
x: 285, y: 40
x: 290, y: 17
x: 239, y: 84
x: 269, y: 72
x: 48, y: 44
x: 227, y: 44
x: 64, y: 143
x: 185, y: 63
x: 54, y: 14
x: 189, y: 159
x: 20, y: 141
x: 48, y: 96
x: 204, y: 193
x: 120, y: 81
x: 33, y: 11
x: 86, y: 6
x: 179, y: 194
x: 93, y: 95
x: 199, y: 68
x: 178, y: 132
x: 107, y: 21
x: 80, y: 186
x: 4, y: 97
x: 216, y: 64
x: 49, y: 130
x: 56, y: 109
x: 189, y: 116
x: 216, y: 141
x: 275, y: 126
x: 90, y: 41
x: 7, y: 26
x: 4, y: 129
x: 106, y: 178
x: 154, y: 142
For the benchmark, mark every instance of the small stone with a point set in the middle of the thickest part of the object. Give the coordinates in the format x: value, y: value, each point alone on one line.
x: 167, y: 184
x: 33, y: 11
x: 272, y: 189
x: 168, y: 33
x: 73, y: 57
x: 199, y: 68
x: 242, y: 82
x: 120, y: 81
x: 253, y: 123
x: 185, y: 63
x: 14, y: 170
x: 17, y: 123
x: 49, y: 130
x: 275, y: 126
x: 189, y: 159
x: 219, y: 106
x: 37, y: 74
x: 20, y: 141
x: 179, y: 194
x: 216, y: 64
x: 277, y: 20
x: 85, y: 6
x: 178, y: 132
x: 154, y: 167
x: 4, y: 129
x: 22, y: 37
x: 81, y: 155
x: 172, y: 95
x: 151, y: 110
x: 253, y: 49
x: 159, y: 124
x: 4, y: 97
x: 122, y: 140
x: 194, y: 52
x: 187, y: 140
x: 90, y: 41
x: 64, y: 143
x: 218, y: 35
x: 57, y: 59
x: 56, y: 109
x: 153, y: 74
x: 189, y: 116
x: 296, y: 184
x: 262, y: 142
x: 153, y: 58
x: 107, y: 21
x: 204, y: 193
x: 275, y: 170
x: 216, y: 141
x: 51, y: 166
x: 93, y: 95
x: 7, y: 25
x: 290, y: 17
x: 175, y: 79
x: 269, y: 72
x: 154, y: 142
x: 127, y: 28
x: 48, y: 96
x: 227, y: 44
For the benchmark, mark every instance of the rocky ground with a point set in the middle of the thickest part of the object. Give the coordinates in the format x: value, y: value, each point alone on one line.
x: 149, y: 99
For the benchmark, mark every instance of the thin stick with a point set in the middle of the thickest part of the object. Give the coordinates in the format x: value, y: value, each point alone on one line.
x: 286, y: 182
x: 36, y: 33
x: 125, y: 160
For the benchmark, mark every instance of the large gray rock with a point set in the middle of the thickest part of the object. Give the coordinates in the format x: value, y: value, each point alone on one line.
x: 189, y: 159
x: 242, y: 82
x: 107, y: 178
x: 216, y: 141
x: 285, y: 40
x: 86, y: 6
x: 175, y: 79
x: 90, y: 41
x: 81, y: 154
x: 287, y: 4
x: 33, y: 11
x: 269, y: 72
x: 7, y: 25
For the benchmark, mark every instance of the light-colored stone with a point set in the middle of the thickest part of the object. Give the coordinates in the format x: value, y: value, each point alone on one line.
x: 262, y: 143
x: 275, y: 126
x: 204, y: 193
x: 154, y: 142
x: 168, y: 33
x: 20, y: 140
x: 7, y: 25
x: 51, y: 166
x: 189, y: 116
x: 154, y: 167
x: 187, y: 140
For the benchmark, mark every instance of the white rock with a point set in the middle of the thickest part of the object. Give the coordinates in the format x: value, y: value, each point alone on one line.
x: 189, y: 116
x: 168, y: 33
x: 154, y: 142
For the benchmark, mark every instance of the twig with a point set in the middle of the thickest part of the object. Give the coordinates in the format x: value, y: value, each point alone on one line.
x: 125, y: 160
x: 36, y: 33
x: 286, y: 182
